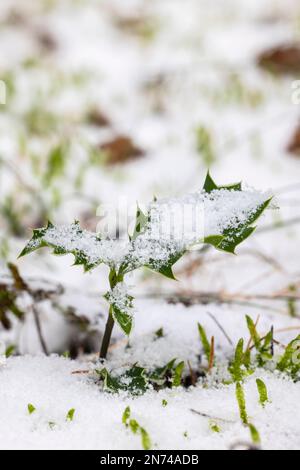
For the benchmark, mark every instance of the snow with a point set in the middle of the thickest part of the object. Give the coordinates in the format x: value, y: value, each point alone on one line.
x: 158, y: 92
x: 52, y: 387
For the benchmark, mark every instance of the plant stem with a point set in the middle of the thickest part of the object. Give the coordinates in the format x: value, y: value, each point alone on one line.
x: 114, y: 279
x: 107, y: 335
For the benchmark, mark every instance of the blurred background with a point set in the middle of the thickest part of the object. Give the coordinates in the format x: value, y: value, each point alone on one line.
x: 107, y: 99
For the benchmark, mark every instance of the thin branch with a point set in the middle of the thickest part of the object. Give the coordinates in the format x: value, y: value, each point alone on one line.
x: 192, y: 374
x: 209, y: 300
x: 221, y: 328
x: 207, y: 416
x: 39, y: 330
x: 79, y: 372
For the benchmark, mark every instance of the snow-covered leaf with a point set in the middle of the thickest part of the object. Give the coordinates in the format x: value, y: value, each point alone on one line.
x: 210, y: 185
x: 86, y: 247
x: 234, y: 236
x: 140, y: 223
x: 134, y: 380
x: 162, y: 236
x: 122, y: 307
x: 159, y: 375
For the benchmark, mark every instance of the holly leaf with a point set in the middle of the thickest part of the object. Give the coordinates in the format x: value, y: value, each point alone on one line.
x: 210, y: 185
x: 124, y: 320
x: 166, y: 269
x: 134, y: 380
x: 110, y: 383
x: 121, y: 308
x: 138, y: 381
x: 67, y: 239
x: 161, y: 374
x: 140, y: 224
x: 232, y: 237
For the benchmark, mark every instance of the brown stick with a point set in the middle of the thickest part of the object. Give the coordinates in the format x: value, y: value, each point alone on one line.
x: 205, y: 415
x: 39, y: 330
x: 212, y: 354
x: 221, y: 328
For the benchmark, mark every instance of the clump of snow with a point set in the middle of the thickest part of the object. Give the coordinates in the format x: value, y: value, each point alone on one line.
x: 119, y: 297
x: 220, y: 209
x: 72, y: 239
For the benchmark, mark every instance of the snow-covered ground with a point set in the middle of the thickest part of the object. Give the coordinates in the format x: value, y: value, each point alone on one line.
x: 158, y: 71
x: 51, y: 386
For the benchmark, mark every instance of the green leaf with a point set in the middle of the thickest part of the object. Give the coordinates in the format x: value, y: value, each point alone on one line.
x: 237, y: 367
x: 159, y: 333
x: 10, y: 350
x: 253, y: 332
x: 247, y: 359
x: 110, y: 383
x: 214, y: 427
x: 204, y: 340
x: 138, y: 382
x: 146, y: 441
x: 240, y: 396
x: 263, y: 346
x: 178, y: 374
x: 126, y: 415
x: 134, y: 426
x: 214, y: 240
x: 290, y: 361
x: 262, y: 391
x: 37, y: 240
x: 210, y: 185
x: 31, y: 409
x: 166, y: 269
x: 160, y: 374
x: 141, y: 223
x: 124, y: 320
x: 67, y: 240
x: 255, y: 436
x: 134, y: 380
x: 70, y: 414
x: 233, y: 237
x: 121, y: 310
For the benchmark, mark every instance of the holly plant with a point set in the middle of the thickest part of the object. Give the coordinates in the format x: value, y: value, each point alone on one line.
x: 228, y: 217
